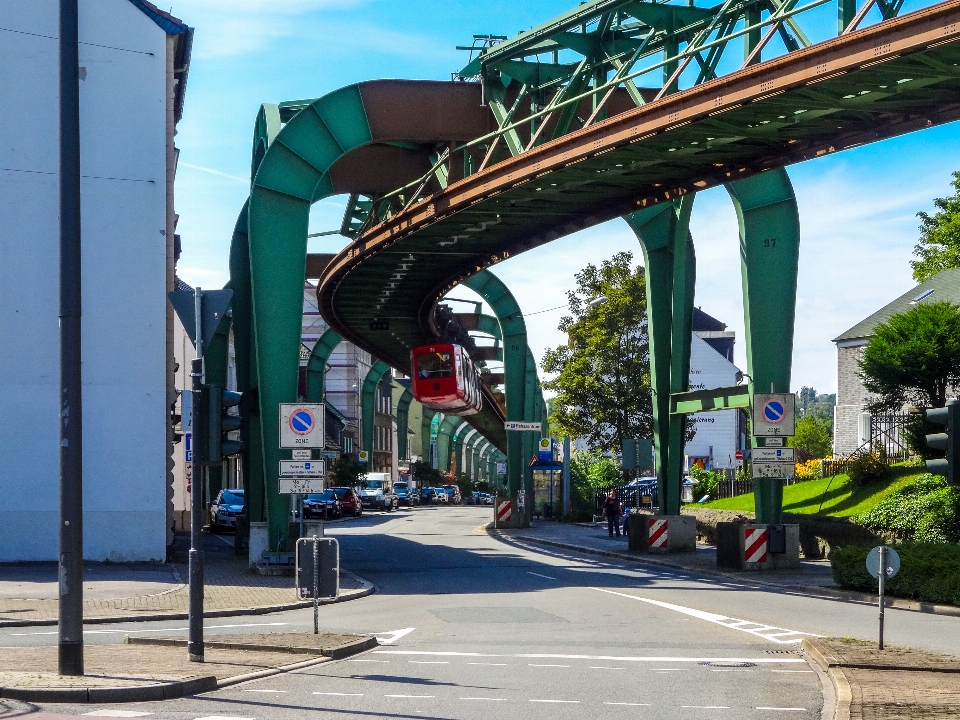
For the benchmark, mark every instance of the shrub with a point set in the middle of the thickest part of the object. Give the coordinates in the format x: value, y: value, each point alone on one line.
x: 927, y: 511
x: 705, y: 481
x: 867, y: 468
x: 809, y: 470
x: 928, y: 572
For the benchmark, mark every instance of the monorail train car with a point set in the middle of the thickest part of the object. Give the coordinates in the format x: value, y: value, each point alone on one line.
x: 445, y: 379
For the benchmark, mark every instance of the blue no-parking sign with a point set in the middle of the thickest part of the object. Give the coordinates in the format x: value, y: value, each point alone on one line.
x: 301, y: 425
x: 773, y: 414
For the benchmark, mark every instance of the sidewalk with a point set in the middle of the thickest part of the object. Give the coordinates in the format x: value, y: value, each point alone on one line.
x: 893, y: 684
x: 143, y: 591
x: 158, y: 669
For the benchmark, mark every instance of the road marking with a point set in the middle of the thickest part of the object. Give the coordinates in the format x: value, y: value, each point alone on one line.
x: 223, y: 717
x: 706, y: 707
x: 409, y: 696
x: 605, y: 667
x: 389, y: 637
x: 614, y: 658
x: 630, y: 704
x: 339, y: 694
x: 373, y: 661
x: 117, y: 713
x: 541, y: 576
x: 499, y: 664
x: 535, y: 665
x: 266, y: 691
x: 783, y: 709
x: 127, y: 631
x: 760, y: 630
x: 793, y: 671
x: 429, y: 662
x: 555, y: 701
x: 490, y: 699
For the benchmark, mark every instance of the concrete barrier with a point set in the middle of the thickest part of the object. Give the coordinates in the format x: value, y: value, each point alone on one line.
x: 662, y: 533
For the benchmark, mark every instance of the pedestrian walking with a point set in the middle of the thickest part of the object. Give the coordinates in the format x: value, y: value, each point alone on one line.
x: 626, y: 520
x: 611, y: 508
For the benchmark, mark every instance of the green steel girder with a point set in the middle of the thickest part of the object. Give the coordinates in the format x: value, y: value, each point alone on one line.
x: 403, y: 421
x: 317, y: 365
x: 368, y: 403
x: 445, y: 435
x: 723, y: 398
x: 426, y: 426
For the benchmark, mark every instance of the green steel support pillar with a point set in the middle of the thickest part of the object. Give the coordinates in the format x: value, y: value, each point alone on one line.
x: 426, y: 425
x: 770, y: 251
x: 368, y: 404
x: 846, y: 12
x: 403, y: 423
x: 250, y: 435
x: 448, y: 426
x: 751, y: 16
x: 469, y: 437
x: 215, y: 369
x: 317, y: 365
x: 514, y: 333
x: 664, y: 235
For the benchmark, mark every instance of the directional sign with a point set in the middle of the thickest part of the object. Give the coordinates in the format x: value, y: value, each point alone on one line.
x: 773, y: 414
x: 523, y: 426
x: 301, y: 469
x: 301, y: 425
x: 873, y: 562
x: 772, y: 454
x: 772, y: 469
x: 300, y: 486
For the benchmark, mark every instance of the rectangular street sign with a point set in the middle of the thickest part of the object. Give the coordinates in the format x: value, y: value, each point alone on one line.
x: 772, y: 454
x: 773, y: 414
x: 301, y: 425
x: 300, y: 486
x: 770, y: 441
x: 523, y: 426
x: 301, y: 454
x: 772, y: 469
x: 301, y: 469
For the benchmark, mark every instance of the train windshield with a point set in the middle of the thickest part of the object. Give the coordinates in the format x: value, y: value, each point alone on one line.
x: 435, y: 365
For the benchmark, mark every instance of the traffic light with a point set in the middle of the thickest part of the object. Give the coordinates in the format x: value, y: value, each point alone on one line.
x: 219, y: 423
x: 948, y: 441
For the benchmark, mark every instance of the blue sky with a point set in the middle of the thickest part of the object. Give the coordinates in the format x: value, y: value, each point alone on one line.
x: 857, y: 209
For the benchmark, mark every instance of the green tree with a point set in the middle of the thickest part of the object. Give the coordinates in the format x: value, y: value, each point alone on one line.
x: 939, y: 246
x: 602, y: 375
x: 425, y: 474
x: 812, y: 403
x: 913, y: 358
x: 812, y: 435
x: 347, y: 472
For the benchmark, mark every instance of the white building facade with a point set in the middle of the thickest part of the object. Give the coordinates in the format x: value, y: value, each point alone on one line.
x: 133, y: 61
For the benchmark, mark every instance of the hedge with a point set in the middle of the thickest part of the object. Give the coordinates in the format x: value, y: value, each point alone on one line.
x: 929, y: 572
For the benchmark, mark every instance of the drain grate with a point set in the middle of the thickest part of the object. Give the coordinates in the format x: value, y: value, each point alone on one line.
x: 781, y: 652
x: 728, y: 664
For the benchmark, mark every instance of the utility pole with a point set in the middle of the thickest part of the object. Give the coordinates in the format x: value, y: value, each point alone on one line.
x: 195, y: 641
x: 70, y: 648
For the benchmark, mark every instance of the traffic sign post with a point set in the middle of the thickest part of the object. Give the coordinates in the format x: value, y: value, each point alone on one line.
x: 883, y: 563
x: 302, y: 425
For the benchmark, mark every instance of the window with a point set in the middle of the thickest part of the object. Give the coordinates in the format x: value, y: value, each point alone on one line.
x: 435, y: 365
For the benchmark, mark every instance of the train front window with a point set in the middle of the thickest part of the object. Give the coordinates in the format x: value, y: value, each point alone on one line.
x: 435, y: 365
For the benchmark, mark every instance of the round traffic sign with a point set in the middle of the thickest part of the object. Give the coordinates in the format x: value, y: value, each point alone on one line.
x: 739, y: 455
x: 773, y: 411
x: 873, y: 562
x: 302, y: 421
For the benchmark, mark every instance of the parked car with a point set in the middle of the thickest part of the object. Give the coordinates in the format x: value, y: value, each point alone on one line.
x: 349, y: 501
x: 453, y: 494
x: 377, y: 493
x: 428, y: 496
x: 225, y: 510
x: 405, y: 494
x: 322, y: 505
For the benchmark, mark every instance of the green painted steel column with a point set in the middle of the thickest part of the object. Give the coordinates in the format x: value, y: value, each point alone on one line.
x: 215, y: 370
x: 514, y: 333
x: 444, y: 439
x: 663, y: 232
x: 403, y: 423
x: 317, y: 365
x: 368, y: 404
x: 426, y: 423
x: 770, y: 252
x: 242, y: 308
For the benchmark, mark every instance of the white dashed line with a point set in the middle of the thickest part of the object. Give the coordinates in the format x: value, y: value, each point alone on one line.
x: 410, y: 696
x: 629, y: 704
x: 264, y: 691
x: 705, y: 707
x: 605, y: 667
x: 490, y: 699
x: 547, y: 577
x: 577, y: 702
x: 116, y: 713
x: 783, y: 709
x: 339, y: 694
x: 429, y: 662
x: 613, y: 658
x: 534, y: 665
x: 782, y: 636
x: 492, y: 664
x: 373, y: 661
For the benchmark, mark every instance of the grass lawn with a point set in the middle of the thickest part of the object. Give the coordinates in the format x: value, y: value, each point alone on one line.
x: 839, y: 497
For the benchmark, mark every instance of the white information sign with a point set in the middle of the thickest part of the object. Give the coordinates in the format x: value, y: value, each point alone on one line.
x: 773, y: 441
x: 301, y: 454
x: 523, y: 426
x: 301, y: 425
x: 772, y: 454
x: 300, y: 486
x: 773, y: 414
x: 772, y: 469
x: 301, y: 469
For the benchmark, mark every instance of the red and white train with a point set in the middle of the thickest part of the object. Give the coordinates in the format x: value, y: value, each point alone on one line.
x: 445, y: 379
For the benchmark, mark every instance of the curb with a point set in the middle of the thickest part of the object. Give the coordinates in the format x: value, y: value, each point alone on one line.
x: 335, y: 653
x: 831, y: 666
x: 369, y: 589
x: 890, y: 602
x: 173, y: 689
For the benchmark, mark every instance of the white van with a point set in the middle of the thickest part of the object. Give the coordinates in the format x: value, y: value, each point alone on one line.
x: 376, y: 492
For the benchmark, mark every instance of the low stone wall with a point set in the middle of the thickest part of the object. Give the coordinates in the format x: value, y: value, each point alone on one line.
x: 818, y: 534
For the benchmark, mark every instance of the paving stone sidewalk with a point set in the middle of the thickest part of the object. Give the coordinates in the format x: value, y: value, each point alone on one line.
x: 896, y: 683
x: 230, y: 589
x: 150, y: 671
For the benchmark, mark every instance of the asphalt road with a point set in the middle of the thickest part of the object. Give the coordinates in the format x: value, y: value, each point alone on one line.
x: 475, y: 625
